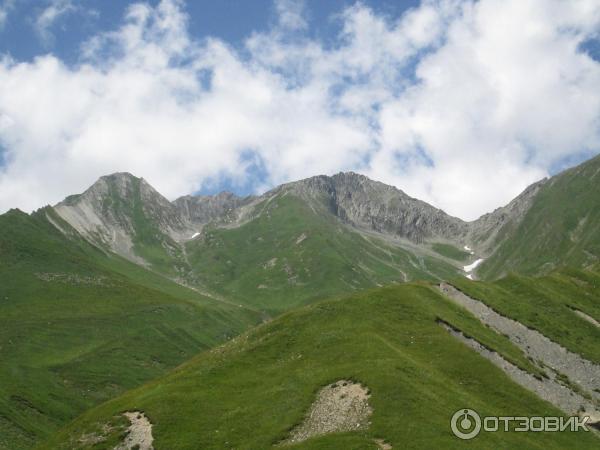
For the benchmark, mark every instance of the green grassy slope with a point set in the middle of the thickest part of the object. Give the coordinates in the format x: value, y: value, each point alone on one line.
x: 78, y: 327
x: 450, y: 251
x: 547, y: 304
x: 292, y: 254
x: 250, y: 392
x: 562, y: 227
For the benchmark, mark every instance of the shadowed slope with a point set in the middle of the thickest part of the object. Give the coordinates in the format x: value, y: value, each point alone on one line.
x: 78, y: 327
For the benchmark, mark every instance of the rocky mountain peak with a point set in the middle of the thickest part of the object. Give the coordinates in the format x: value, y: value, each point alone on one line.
x: 486, y: 232
x: 121, y: 185
x: 119, y: 210
x: 374, y: 206
x: 119, y: 207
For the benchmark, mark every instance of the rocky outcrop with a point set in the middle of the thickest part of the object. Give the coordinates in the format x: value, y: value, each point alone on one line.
x: 117, y: 209
x: 486, y: 233
x: 373, y: 206
x: 122, y: 213
x: 202, y: 209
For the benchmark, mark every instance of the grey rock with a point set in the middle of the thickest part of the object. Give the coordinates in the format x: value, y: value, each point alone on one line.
x: 113, y: 210
x: 374, y: 206
x: 202, y: 209
x: 549, y: 389
x: 487, y: 233
x: 535, y: 345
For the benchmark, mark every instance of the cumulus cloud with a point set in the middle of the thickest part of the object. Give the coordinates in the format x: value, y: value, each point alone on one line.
x: 459, y: 103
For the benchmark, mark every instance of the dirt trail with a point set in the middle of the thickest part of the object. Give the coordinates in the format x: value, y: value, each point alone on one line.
x: 341, y: 406
x: 538, y: 347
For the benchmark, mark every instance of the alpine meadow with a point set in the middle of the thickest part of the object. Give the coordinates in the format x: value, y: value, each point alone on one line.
x: 308, y: 225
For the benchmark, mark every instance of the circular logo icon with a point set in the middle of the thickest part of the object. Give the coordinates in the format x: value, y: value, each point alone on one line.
x: 465, y: 424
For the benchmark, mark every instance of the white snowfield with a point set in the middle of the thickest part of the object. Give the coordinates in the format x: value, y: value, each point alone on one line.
x: 194, y: 235
x: 472, y: 266
x: 469, y: 249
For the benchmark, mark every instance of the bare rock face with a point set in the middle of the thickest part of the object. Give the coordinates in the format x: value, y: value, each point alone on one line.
x: 487, y: 232
x: 108, y: 211
x: 119, y: 208
x: 122, y: 213
x: 202, y: 209
x: 373, y: 206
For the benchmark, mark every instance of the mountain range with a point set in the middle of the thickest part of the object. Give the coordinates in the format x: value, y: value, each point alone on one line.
x: 113, y: 288
x: 125, y: 215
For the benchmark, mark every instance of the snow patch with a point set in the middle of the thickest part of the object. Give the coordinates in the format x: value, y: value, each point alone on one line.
x: 472, y: 266
x: 194, y: 235
x: 469, y: 249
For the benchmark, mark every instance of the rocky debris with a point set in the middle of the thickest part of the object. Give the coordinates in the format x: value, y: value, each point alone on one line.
x: 341, y: 406
x: 301, y: 238
x: 72, y: 278
x: 547, y: 389
x: 139, y: 433
x: 535, y: 345
x: 587, y: 318
x: 89, y: 440
x: 382, y: 444
x: 270, y: 263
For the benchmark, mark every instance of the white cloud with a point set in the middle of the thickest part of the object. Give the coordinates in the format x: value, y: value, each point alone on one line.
x: 291, y: 14
x: 48, y: 17
x: 459, y: 103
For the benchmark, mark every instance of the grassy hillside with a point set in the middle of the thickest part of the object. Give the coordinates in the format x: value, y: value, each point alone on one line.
x: 548, y: 304
x: 78, y: 327
x: 292, y: 254
x: 250, y: 392
x: 562, y: 227
x: 450, y: 251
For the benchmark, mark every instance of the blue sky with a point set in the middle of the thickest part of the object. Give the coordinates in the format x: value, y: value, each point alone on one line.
x: 460, y: 103
x: 230, y: 20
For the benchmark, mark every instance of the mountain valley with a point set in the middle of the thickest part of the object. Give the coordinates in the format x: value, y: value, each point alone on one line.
x: 220, y: 318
